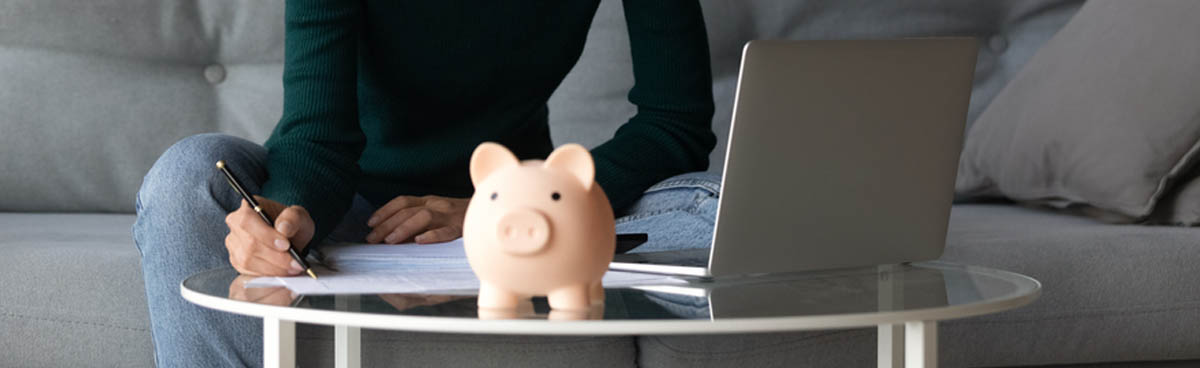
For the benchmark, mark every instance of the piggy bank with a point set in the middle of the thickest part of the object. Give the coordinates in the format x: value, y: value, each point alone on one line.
x: 538, y: 228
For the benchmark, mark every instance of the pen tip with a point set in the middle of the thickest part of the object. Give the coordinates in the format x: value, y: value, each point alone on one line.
x: 310, y: 273
x: 221, y: 164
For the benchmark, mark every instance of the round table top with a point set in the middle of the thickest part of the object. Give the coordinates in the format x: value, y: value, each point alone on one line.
x: 814, y: 300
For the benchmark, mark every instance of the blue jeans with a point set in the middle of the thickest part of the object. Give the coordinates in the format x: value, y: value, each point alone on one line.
x: 180, y: 230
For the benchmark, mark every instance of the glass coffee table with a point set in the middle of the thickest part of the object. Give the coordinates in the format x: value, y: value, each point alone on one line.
x: 905, y: 302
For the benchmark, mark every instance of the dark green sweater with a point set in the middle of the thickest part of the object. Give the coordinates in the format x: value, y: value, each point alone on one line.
x: 390, y: 97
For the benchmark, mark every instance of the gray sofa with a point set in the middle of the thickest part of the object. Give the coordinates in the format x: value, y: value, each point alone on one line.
x: 92, y: 92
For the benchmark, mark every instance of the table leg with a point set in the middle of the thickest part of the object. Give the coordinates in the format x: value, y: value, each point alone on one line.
x: 891, y: 336
x: 920, y: 340
x: 347, y: 341
x: 891, y: 346
x: 279, y: 343
x: 347, y: 351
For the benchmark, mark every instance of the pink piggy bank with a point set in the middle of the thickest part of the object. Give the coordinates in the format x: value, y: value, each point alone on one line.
x: 538, y: 228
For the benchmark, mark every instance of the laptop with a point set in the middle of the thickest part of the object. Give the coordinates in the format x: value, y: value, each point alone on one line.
x: 841, y: 154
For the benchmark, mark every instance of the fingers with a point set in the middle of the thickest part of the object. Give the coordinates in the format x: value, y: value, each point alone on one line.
x: 255, y: 248
x: 418, y: 223
x: 382, y: 230
x: 297, y: 225
x: 276, y: 262
x: 291, y: 220
x: 246, y: 220
x: 393, y: 206
x: 264, y: 263
x: 442, y: 234
x: 439, y: 204
x: 437, y: 219
x: 267, y: 263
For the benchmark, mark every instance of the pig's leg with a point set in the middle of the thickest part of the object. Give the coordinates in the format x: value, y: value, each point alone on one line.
x: 492, y: 297
x: 574, y: 297
x: 597, y: 293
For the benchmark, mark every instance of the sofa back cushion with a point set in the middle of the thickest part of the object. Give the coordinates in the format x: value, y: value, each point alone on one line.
x: 92, y: 92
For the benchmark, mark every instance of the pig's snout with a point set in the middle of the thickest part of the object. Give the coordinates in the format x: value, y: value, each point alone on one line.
x: 523, y: 231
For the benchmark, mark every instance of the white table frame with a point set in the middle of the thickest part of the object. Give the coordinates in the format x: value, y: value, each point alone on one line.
x: 906, y: 338
x: 909, y: 345
x: 913, y: 344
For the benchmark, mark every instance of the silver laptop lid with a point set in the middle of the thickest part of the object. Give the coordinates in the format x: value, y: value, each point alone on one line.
x: 841, y: 154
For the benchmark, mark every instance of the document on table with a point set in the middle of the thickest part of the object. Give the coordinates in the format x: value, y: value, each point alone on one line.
x: 409, y: 268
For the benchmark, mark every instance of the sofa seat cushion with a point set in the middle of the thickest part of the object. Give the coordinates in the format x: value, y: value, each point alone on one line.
x: 72, y: 295
x: 1110, y: 293
x: 72, y: 292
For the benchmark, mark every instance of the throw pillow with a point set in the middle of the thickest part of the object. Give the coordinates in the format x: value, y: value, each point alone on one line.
x: 1181, y: 206
x: 1105, y: 116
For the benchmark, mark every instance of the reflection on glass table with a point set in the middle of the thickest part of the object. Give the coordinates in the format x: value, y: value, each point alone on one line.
x: 904, y: 301
x: 839, y: 292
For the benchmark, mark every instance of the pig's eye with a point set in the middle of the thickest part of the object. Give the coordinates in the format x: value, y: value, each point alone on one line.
x: 494, y: 195
x: 555, y: 196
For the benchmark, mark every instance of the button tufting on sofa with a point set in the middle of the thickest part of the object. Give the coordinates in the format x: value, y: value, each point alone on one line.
x: 998, y: 43
x: 214, y: 73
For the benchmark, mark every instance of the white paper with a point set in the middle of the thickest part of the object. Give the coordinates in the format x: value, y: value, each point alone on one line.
x: 410, y: 268
x: 391, y: 258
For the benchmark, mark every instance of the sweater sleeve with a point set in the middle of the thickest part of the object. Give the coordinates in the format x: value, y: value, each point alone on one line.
x: 313, y: 152
x: 672, y: 132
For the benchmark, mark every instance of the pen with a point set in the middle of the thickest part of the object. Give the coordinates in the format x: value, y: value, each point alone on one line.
x: 237, y: 186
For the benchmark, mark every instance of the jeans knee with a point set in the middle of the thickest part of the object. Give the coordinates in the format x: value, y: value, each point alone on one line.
x: 187, y: 165
x: 184, y: 190
x: 695, y: 193
x: 691, y: 187
x: 678, y: 212
x: 703, y: 181
x: 178, y: 167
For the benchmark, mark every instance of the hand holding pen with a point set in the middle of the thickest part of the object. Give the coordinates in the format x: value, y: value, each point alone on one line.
x: 265, y: 237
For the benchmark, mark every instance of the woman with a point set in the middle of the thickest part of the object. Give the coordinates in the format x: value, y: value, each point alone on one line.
x: 384, y: 102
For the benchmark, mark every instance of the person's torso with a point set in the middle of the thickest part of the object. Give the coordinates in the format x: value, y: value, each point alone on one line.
x: 436, y: 78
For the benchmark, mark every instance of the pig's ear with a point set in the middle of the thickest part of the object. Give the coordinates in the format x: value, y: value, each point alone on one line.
x: 576, y: 160
x: 488, y: 158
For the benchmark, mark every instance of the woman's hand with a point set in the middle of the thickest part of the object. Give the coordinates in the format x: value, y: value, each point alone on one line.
x: 259, y: 250
x: 428, y: 219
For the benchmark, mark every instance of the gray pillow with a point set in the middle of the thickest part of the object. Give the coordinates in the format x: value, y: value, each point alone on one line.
x: 1180, y: 206
x: 1105, y: 116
